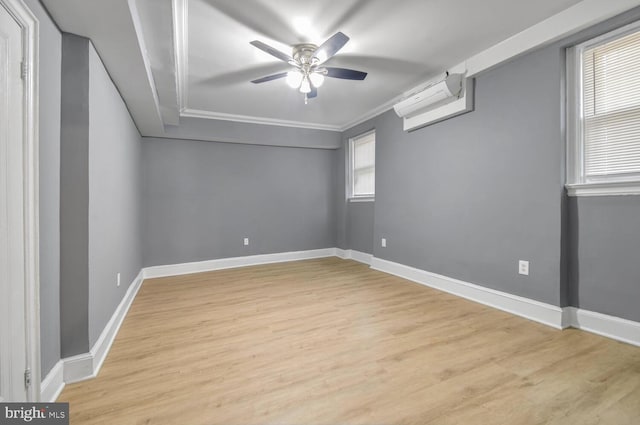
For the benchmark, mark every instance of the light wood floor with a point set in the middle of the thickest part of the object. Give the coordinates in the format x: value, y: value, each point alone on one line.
x: 332, y: 342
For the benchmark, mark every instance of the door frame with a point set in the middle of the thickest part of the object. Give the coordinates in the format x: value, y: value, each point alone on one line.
x: 30, y: 141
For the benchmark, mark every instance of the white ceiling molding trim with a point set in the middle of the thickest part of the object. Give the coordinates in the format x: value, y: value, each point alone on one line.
x: 196, y: 113
x: 371, y: 114
x: 137, y: 27
x: 180, y: 47
x: 570, y: 21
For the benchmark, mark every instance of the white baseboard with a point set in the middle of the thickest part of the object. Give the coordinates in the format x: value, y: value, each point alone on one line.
x: 78, y: 368
x: 352, y: 254
x: 534, y: 310
x: 602, y: 324
x: 53, y: 384
x: 343, y: 254
x: 228, y: 263
x: 87, y: 365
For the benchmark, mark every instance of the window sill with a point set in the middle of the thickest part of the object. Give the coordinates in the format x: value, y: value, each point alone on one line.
x: 369, y: 199
x: 603, y: 189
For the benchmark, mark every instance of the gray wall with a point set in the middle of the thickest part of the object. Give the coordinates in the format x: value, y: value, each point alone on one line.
x: 360, y: 216
x: 470, y: 196
x: 49, y: 152
x: 200, y: 199
x: 115, y: 237
x: 100, y: 197
x: 74, y: 196
x: 340, y: 205
x: 605, y: 241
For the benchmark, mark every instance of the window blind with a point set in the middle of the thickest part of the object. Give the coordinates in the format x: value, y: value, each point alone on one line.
x: 364, y: 163
x: 611, y: 108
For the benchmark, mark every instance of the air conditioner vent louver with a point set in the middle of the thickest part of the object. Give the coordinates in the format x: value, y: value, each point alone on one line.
x: 450, y: 88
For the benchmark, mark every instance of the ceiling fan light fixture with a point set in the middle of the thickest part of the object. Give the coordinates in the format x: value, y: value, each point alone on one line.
x: 294, y: 78
x: 317, y: 79
x: 305, y: 86
x: 307, y: 60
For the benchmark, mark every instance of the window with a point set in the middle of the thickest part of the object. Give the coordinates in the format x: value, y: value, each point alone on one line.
x: 604, y: 115
x: 362, y: 166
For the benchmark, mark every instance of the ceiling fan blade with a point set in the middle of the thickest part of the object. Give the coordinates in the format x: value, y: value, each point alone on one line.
x: 313, y: 93
x: 345, y: 74
x: 273, y: 52
x: 269, y: 78
x: 330, y: 47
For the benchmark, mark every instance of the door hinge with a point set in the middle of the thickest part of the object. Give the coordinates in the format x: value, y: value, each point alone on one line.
x: 24, y: 70
x: 27, y: 378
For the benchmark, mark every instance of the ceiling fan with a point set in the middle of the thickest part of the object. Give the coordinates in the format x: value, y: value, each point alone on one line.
x: 308, y: 59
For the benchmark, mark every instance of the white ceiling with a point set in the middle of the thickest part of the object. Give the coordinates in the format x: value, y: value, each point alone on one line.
x: 399, y: 44
x: 207, y: 72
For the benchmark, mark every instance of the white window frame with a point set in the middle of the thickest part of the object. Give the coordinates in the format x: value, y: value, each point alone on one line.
x: 577, y: 183
x: 350, y: 168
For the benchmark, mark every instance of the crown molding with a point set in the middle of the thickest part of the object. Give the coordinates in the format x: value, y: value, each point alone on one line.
x: 197, y: 113
x: 371, y: 114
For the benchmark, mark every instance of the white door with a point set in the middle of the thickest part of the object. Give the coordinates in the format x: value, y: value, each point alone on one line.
x: 13, y: 353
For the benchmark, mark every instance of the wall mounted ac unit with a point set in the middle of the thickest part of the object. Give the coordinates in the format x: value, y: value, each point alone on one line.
x: 448, y: 89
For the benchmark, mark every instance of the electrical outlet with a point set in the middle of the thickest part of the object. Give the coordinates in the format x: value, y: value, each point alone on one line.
x: 383, y: 242
x: 118, y: 279
x: 523, y: 267
x: 246, y: 241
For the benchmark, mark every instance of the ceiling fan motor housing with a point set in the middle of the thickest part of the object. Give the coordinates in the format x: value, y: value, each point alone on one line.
x: 303, y: 53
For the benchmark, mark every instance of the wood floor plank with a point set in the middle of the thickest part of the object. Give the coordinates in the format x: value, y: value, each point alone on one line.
x: 330, y: 341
